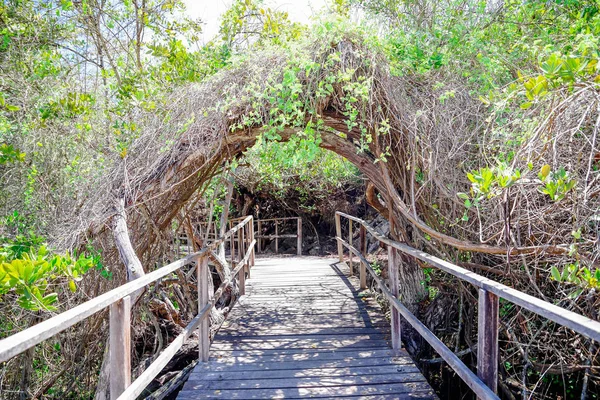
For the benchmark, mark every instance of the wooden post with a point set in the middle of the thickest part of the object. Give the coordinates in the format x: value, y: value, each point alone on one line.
x: 242, y: 279
x: 259, y: 239
x: 276, y: 236
x: 299, y: 236
x: 338, y: 233
x: 120, y: 346
x: 203, y: 297
x: 240, y: 246
x: 253, y: 253
x: 231, y: 244
x: 487, y: 339
x: 393, y: 259
x: 244, y: 246
x: 350, y: 252
x: 363, y: 250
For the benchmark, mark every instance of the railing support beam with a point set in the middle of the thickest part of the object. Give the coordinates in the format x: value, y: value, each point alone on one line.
x: 120, y: 346
x: 393, y: 259
x: 363, y: 250
x: 338, y: 233
x: 487, y: 339
x: 350, y: 234
x: 276, y: 237
x: 299, y: 233
x: 253, y: 254
x: 242, y: 280
x: 203, y: 298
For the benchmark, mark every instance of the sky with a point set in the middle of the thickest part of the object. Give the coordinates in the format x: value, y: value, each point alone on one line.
x: 209, y: 11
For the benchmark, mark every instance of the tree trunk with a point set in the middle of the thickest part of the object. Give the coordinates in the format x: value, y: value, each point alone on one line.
x: 225, y: 217
x: 134, y: 269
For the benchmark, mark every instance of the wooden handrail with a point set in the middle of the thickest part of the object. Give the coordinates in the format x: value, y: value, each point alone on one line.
x: 484, y: 384
x: 118, y: 300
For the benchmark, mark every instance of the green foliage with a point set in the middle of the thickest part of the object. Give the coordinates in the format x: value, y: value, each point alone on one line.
x: 29, y: 270
x: 555, y: 184
x: 249, y: 22
x: 298, y: 168
x: 578, y: 275
x: 9, y: 154
x: 489, y: 182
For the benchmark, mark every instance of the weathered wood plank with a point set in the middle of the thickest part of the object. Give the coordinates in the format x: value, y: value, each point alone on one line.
x: 203, y: 297
x: 392, y: 390
x: 306, y: 373
x: 487, y: 339
x: 247, y: 357
x: 266, y: 366
x: 304, y: 382
x: 217, y: 354
x: 293, y: 331
x: 120, y: 346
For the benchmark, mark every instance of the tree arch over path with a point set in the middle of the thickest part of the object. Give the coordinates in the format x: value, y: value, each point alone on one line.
x: 337, y: 93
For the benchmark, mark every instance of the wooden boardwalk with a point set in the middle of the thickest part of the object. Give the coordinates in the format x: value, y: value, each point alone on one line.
x: 304, y: 331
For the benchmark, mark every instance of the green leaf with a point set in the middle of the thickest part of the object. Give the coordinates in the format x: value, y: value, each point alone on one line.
x: 555, y: 274
x: 526, y: 105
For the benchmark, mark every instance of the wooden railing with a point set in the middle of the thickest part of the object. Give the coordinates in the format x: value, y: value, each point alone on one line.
x: 278, y: 235
x: 484, y: 384
x: 119, y: 301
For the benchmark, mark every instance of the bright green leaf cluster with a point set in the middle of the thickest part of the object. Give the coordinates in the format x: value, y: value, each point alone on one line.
x: 577, y: 275
x: 30, y: 271
x: 555, y: 184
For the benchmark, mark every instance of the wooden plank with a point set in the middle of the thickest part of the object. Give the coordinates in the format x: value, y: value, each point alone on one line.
x: 307, y: 331
x: 325, y: 321
x: 203, y: 298
x: 120, y: 346
x: 251, y: 357
x: 312, y: 392
x: 246, y: 319
x: 308, y: 372
x: 304, y: 382
x: 296, y: 311
x: 278, y: 366
x: 217, y: 354
x: 487, y: 339
x: 299, y: 345
x: 279, y: 236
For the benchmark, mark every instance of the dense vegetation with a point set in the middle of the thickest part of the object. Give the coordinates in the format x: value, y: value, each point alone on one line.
x: 484, y: 116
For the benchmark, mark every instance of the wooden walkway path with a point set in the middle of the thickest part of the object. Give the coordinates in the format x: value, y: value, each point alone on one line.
x: 303, y: 331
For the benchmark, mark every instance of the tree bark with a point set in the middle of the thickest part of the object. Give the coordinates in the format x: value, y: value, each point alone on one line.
x: 134, y: 270
x: 225, y: 216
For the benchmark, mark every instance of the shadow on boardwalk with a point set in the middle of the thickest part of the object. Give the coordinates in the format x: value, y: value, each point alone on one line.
x: 303, y: 330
